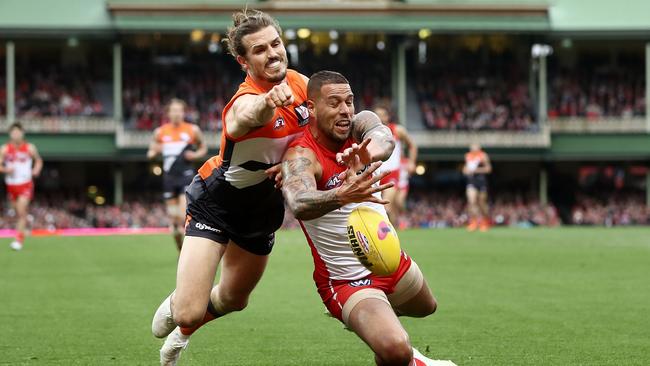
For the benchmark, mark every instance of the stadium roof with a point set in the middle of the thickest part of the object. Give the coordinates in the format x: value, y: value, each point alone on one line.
x: 595, y: 16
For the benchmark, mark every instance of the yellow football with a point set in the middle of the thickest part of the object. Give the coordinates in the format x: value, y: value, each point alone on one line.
x: 374, y: 241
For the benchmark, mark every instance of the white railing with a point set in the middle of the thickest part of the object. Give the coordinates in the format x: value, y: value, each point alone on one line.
x: 453, y: 139
x: 125, y: 138
x: 601, y: 125
x: 66, y: 125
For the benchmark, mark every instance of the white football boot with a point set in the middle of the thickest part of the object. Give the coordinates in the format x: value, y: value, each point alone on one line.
x: 429, y: 362
x: 171, y: 349
x: 163, y: 322
x: 16, y: 245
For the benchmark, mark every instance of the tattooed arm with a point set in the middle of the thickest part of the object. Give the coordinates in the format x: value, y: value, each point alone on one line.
x: 300, y: 169
x: 367, y: 125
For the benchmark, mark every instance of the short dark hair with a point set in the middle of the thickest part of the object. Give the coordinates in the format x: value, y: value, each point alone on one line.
x: 246, y: 22
x: 320, y: 78
x: 17, y: 125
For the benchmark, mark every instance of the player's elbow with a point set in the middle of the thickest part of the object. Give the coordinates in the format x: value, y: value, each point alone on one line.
x: 384, y: 150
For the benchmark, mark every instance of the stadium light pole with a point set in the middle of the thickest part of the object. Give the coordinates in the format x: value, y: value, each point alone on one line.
x: 541, y: 52
x: 11, y: 82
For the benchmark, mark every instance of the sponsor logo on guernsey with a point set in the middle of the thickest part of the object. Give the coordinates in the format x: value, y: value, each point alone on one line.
x: 356, y: 248
x: 383, y: 230
x: 302, y: 113
x: 361, y: 282
x: 185, y: 136
x: 204, y: 227
x: 279, y: 123
x: 333, y: 182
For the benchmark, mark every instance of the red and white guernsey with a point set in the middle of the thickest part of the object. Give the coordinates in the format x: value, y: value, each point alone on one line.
x: 394, y: 161
x: 19, y: 158
x: 327, y: 235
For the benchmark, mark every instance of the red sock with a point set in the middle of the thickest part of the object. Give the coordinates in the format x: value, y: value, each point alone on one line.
x: 20, y: 237
x: 206, y: 318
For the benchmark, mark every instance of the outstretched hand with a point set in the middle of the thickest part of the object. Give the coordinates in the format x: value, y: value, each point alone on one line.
x: 360, y: 150
x: 359, y: 187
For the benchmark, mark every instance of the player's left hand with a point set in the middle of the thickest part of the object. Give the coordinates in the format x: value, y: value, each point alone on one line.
x: 36, y: 173
x: 275, y: 174
x: 346, y: 157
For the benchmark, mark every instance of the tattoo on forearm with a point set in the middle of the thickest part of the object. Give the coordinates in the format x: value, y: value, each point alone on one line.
x: 301, y: 192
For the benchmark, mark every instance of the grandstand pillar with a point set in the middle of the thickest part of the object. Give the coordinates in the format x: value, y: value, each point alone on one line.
x: 11, y: 82
x: 117, y: 81
x: 647, y: 90
x: 543, y: 186
x: 399, y: 81
x: 542, y: 106
x: 647, y: 188
x: 118, y: 188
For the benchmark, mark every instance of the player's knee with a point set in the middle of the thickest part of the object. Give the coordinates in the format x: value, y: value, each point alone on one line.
x: 395, y: 350
x: 187, y: 317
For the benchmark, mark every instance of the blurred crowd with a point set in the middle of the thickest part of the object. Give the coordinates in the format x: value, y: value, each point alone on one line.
x: 434, y: 210
x: 424, y: 210
x: 460, y: 102
x: 206, y: 87
x: 615, y: 210
x: 60, y: 213
x: 594, y: 95
x: 56, y: 93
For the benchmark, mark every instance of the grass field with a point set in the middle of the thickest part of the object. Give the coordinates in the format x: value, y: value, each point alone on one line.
x: 507, y: 297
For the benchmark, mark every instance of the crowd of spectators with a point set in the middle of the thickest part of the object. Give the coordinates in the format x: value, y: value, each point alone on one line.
x: 56, y: 93
x: 594, y: 95
x: 615, y: 210
x: 459, y: 101
x: 206, y: 87
x: 424, y: 210
x: 435, y: 210
x: 62, y: 213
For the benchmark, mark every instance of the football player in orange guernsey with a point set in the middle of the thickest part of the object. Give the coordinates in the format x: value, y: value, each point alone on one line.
x: 234, y: 207
x: 339, y: 155
x: 20, y: 163
x: 180, y: 143
x: 476, y: 169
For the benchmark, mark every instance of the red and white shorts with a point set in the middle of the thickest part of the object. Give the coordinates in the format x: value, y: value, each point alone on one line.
x: 340, y: 296
x: 20, y: 190
x: 393, y: 176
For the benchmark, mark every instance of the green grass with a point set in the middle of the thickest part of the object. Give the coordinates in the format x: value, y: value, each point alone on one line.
x: 506, y: 297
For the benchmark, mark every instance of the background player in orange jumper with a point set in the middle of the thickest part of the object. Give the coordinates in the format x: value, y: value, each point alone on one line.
x: 180, y: 143
x: 477, y: 167
x: 396, y: 195
x: 20, y: 162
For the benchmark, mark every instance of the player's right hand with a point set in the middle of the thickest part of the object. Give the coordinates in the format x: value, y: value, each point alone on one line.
x: 279, y: 96
x: 359, y: 187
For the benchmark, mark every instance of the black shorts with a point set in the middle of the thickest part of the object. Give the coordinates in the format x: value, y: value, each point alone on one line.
x: 175, y: 185
x: 479, y: 182
x: 249, y: 216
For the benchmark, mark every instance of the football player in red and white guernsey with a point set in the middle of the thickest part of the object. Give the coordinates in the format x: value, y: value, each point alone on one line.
x: 20, y: 163
x: 327, y: 173
x: 396, y: 164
